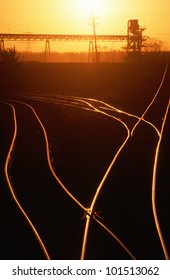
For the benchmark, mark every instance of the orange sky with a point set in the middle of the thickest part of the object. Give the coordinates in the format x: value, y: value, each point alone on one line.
x: 71, y: 16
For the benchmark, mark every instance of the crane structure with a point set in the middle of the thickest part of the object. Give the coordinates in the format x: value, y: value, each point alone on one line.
x: 134, y: 37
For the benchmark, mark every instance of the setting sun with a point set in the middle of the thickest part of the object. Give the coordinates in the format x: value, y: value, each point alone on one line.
x: 92, y: 6
x: 73, y: 17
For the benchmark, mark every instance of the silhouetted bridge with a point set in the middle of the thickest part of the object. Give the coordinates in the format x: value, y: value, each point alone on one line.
x: 133, y: 37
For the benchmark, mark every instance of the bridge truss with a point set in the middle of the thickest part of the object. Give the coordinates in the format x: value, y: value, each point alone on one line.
x: 134, y: 38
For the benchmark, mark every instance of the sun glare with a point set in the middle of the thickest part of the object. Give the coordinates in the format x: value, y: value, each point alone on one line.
x: 92, y: 6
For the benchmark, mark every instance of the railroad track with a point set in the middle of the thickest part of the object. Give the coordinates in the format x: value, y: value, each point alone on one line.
x: 108, y: 112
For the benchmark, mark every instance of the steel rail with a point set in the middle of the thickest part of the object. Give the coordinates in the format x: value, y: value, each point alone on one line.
x: 91, y: 208
x: 154, y: 175
x: 89, y: 211
x: 133, y: 116
x: 150, y: 104
x: 90, y: 214
x: 153, y: 200
x: 112, y: 108
x: 123, y: 112
x: 10, y: 184
x: 48, y: 156
x: 154, y: 208
x: 115, y: 237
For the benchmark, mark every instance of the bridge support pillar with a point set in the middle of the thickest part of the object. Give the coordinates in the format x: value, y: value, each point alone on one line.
x: 2, y: 45
x: 47, y: 50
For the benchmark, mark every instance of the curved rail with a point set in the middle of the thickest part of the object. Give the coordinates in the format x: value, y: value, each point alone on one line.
x: 154, y: 170
x: 154, y: 187
x: 48, y: 157
x: 9, y: 182
x: 90, y: 214
x: 158, y: 90
x: 111, y: 108
x: 90, y: 210
x: 87, y: 211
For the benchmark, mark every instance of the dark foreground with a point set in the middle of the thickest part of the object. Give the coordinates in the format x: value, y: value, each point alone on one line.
x: 83, y: 144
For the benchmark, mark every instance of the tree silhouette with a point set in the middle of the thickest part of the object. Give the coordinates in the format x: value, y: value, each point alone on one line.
x: 10, y: 69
